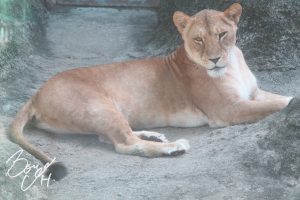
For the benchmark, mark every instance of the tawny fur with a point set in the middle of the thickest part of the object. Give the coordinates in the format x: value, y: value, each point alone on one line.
x: 205, y: 81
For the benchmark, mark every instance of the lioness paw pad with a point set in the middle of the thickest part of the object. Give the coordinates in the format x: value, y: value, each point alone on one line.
x: 156, y: 139
x: 153, y: 136
x: 181, y: 147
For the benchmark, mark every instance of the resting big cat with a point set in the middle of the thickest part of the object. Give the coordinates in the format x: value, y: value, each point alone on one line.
x: 205, y: 81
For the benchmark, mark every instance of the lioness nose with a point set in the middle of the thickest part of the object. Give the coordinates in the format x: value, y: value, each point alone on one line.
x: 215, y: 60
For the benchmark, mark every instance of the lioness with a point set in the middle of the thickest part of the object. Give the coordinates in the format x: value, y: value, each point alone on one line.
x: 205, y: 81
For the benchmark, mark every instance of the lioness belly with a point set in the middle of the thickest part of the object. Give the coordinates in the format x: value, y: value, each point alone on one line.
x: 181, y: 118
x: 187, y: 118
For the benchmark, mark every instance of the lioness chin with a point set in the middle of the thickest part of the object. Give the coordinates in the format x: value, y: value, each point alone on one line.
x: 205, y: 81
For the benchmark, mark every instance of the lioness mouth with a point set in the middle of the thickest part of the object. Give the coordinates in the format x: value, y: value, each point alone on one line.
x: 217, y: 68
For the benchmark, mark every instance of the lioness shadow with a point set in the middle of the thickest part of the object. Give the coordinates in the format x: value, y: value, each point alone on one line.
x: 45, y: 138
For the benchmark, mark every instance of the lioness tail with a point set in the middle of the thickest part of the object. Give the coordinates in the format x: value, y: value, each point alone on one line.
x: 26, y: 113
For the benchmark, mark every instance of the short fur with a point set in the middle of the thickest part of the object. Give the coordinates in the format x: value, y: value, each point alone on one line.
x: 206, y: 80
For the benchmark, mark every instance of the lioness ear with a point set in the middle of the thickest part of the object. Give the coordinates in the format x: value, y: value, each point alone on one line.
x: 180, y: 20
x: 234, y: 12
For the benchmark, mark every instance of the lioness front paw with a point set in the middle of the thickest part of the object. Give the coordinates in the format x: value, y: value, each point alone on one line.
x: 289, y: 99
x: 180, y: 147
x: 286, y: 101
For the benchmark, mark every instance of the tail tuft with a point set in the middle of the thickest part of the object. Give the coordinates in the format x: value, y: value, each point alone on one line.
x: 57, y: 171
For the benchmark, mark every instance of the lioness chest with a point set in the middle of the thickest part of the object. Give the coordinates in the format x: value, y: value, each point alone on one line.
x: 241, y: 78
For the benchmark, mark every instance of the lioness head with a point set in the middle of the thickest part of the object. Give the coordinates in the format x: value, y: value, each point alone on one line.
x: 209, y: 36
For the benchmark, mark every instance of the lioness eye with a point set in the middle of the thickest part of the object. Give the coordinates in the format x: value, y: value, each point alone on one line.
x: 223, y: 34
x: 198, y: 40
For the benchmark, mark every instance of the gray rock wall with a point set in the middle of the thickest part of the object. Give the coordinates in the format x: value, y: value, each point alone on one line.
x: 269, y: 31
x: 23, y: 22
x: 283, y: 140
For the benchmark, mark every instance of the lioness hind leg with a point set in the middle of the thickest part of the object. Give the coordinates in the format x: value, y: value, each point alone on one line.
x: 151, y: 136
x: 154, y: 149
x: 114, y: 126
x: 104, y: 139
x: 130, y: 143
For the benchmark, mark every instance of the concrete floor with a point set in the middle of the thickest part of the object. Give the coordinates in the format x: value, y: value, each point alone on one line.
x: 214, y: 168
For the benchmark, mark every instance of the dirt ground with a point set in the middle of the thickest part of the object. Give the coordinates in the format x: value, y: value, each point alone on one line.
x: 237, y: 162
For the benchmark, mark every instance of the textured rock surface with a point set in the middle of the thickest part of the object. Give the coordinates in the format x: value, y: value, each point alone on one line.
x: 255, y: 161
x: 21, y: 22
x: 281, y: 145
x: 11, y: 187
x: 268, y: 31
